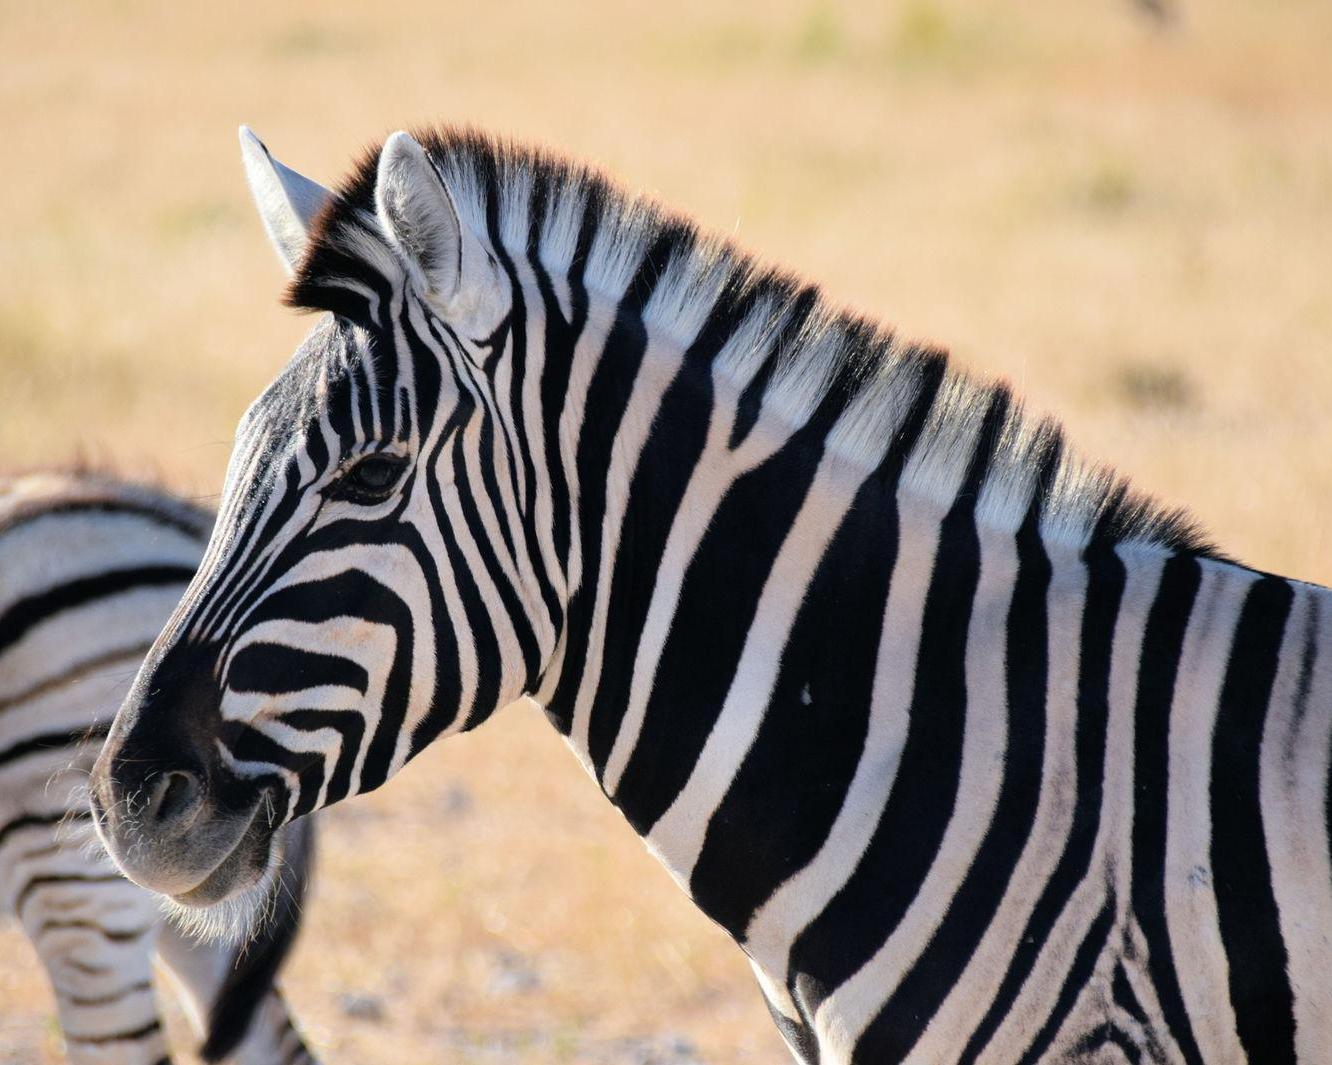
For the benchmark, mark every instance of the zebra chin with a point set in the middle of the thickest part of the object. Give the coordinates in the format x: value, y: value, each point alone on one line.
x: 213, y: 863
x: 236, y: 917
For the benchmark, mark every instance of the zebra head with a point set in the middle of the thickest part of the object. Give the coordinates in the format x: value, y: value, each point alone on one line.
x: 367, y: 587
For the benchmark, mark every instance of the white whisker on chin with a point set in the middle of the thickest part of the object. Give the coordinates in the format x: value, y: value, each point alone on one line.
x: 237, y: 920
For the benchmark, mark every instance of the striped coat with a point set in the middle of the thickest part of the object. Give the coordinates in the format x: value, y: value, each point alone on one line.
x: 89, y: 569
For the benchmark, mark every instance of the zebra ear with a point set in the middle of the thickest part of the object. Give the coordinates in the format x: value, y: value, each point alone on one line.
x: 287, y: 201
x: 419, y: 216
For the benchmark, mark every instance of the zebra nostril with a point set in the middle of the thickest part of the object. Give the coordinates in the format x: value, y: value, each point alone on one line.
x: 175, y: 797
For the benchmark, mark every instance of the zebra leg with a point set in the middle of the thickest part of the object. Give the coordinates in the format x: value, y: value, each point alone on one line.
x: 260, y: 1034
x: 94, y: 932
x: 231, y: 995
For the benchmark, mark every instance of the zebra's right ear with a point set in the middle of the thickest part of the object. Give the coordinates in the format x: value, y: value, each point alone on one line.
x: 287, y: 201
x: 419, y: 216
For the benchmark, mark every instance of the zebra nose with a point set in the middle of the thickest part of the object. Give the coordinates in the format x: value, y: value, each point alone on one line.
x: 174, y: 800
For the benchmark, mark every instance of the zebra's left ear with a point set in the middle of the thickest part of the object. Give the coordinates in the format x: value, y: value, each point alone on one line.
x: 287, y: 201
x: 419, y: 216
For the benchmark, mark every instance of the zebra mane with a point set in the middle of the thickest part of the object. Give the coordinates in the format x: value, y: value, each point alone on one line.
x: 786, y: 337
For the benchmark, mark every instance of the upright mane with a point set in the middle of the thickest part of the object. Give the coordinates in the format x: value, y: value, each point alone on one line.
x: 528, y: 201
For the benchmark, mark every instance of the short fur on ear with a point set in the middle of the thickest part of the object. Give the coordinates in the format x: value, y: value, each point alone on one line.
x: 287, y: 201
x: 420, y: 218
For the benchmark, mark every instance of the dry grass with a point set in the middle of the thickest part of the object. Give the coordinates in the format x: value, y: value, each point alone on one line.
x: 1131, y: 223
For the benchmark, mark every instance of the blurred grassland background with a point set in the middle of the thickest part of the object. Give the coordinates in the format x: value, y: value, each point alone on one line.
x: 1129, y: 217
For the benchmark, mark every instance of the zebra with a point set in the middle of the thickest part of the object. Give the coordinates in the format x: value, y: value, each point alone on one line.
x: 90, y: 567
x: 979, y: 754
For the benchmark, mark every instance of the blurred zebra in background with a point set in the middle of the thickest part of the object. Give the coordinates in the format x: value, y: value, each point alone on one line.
x: 89, y: 570
x: 978, y: 755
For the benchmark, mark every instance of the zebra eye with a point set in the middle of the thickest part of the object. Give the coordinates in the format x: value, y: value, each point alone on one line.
x: 372, y: 479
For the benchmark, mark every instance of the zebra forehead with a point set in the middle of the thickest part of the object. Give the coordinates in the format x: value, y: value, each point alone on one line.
x: 324, y: 357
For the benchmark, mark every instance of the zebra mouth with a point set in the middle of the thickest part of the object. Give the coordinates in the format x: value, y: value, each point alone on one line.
x: 240, y: 869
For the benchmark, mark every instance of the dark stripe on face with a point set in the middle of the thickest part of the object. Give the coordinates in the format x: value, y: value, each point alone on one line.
x: 910, y: 830
x: 382, y: 366
x: 27, y: 613
x: 811, y: 738
x: 248, y: 744
x: 360, y: 594
x: 1162, y: 644
x: 1260, y: 989
x: 248, y: 582
x: 275, y: 669
x: 350, y: 727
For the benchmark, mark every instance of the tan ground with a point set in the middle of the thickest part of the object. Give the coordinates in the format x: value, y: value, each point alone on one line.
x: 1133, y: 223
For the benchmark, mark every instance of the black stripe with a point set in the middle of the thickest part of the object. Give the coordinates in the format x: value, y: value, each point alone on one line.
x: 1246, y: 906
x: 904, y: 1017
x: 1162, y: 644
x: 669, y: 457
x: 324, y: 600
x: 1104, y: 595
x: 106, y: 1000
x: 1125, y: 998
x: 604, y: 412
x: 51, y: 880
x: 560, y: 340
x: 810, y: 741
x: 750, y: 403
x: 53, y: 741
x: 521, y: 447
x: 29, y: 612
x: 277, y: 669
x: 151, y: 1028
x: 79, y: 671
x: 109, y: 934
x: 186, y: 519
x: 736, y: 553
x: 1084, y: 961
x: 51, y: 820
x: 920, y: 806
x: 350, y: 727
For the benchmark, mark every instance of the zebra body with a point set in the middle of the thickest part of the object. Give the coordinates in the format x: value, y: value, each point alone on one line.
x: 978, y: 755
x: 90, y: 568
